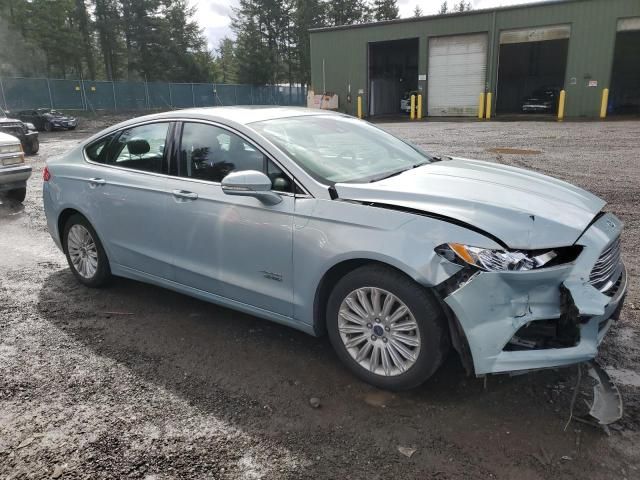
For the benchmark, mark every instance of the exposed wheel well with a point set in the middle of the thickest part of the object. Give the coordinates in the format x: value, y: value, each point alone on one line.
x: 62, y: 220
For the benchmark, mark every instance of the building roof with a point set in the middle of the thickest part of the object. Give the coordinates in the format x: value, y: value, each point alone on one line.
x: 538, y: 3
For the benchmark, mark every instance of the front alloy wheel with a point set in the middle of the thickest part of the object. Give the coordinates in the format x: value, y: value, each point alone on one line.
x: 379, y: 331
x: 389, y: 330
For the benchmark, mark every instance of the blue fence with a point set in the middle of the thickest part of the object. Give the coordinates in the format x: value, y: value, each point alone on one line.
x: 26, y: 93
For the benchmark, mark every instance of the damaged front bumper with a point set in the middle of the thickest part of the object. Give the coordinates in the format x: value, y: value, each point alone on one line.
x: 549, y: 317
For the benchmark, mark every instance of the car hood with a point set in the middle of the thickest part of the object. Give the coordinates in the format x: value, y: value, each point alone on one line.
x: 524, y: 209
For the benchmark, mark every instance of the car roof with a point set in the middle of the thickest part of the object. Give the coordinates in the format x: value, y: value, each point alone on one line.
x: 247, y: 114
x: 240, y: 115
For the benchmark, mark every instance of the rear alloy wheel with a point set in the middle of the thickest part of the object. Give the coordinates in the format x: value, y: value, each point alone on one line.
x: 85, y: 254
x: 387, y: 329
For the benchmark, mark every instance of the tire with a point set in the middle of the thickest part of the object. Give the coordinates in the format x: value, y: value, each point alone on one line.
x: 48, y: 127
x: 423, y: 311
x: 32, y: 147
x: 18, y: 194
x: 77, y: 226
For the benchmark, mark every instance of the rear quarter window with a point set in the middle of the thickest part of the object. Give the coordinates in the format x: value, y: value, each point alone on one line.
x: 97, y: 151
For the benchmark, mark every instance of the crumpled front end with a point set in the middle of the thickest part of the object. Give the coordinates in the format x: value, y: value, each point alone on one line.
x: 548, y: 317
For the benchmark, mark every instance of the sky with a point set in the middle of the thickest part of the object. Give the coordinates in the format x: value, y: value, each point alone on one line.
x: 213, y: 15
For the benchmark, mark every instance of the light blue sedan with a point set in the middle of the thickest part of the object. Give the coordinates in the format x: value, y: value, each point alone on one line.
x: 325, y: 223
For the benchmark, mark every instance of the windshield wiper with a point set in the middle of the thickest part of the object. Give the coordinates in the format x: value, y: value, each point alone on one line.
x: 392, y: 174
x: 398, y: 172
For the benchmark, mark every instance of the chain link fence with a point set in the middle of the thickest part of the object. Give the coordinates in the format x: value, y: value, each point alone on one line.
x: 18, y: 93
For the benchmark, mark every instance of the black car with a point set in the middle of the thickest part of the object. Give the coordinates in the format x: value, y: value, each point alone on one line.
x: 25, y: 131
x: 542, y: 100
x: 48, y: 119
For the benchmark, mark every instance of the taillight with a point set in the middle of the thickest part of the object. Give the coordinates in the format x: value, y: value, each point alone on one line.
x: 46, y: 176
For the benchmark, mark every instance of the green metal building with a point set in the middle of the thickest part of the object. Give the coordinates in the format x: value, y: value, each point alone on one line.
x: 522, y: 55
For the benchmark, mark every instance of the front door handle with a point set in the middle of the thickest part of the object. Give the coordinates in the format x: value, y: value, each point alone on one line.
x: 185, y: 194
x: 97, y: 181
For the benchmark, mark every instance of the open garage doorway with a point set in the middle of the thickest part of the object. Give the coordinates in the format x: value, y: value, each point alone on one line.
x: 393, y: 74
x: 531, y: 70
x: 624, y: 92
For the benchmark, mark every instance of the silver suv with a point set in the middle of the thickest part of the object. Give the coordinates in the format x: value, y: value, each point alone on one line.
x: 13, y: 172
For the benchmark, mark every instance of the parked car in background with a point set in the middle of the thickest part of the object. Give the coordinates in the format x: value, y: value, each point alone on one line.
x: 326, y: 223
x: 405, y: 101
x: 13, y: 172
x: 542, y: 100
x: 47, y: 119
x: 26, y: 132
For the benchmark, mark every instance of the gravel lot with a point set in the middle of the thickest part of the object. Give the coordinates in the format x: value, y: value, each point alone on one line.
x: 138, y: 382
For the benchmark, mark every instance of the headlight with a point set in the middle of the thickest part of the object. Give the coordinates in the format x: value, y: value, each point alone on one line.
x: 494, y: 260
x: 30, y: 126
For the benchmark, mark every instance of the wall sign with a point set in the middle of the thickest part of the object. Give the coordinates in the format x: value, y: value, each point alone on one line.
x: 593, y: 83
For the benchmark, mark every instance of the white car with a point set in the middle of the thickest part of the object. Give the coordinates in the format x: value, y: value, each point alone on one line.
x: 13, y: 172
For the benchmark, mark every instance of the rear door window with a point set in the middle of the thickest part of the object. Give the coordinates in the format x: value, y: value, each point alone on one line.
x: 138, y: 148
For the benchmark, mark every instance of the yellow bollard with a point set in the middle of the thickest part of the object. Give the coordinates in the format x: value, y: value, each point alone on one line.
x: 561, y: 101
x: 359, y: 106
x: 412, y: 112
x: 419, y: 115
x: 481, y: 106
x: 488, y: 109
x: 604, y: 102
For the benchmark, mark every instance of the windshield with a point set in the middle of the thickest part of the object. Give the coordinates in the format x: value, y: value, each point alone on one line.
x: 336, y: 149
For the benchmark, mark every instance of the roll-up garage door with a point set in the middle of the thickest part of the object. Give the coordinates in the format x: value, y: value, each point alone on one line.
x: 457, y: 74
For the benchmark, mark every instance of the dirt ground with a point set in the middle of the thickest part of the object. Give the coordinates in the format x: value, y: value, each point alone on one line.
x: 134, y: 381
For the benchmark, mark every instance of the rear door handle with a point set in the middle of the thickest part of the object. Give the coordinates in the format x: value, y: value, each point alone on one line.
x: 97, y: 181
x: 185, y: 194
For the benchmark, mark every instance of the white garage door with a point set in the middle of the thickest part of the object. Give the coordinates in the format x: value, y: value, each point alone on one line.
x: 457, y: 74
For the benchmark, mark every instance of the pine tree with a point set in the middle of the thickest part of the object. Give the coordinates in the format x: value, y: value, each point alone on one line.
x: 226, y: 61
x: 385, y: 10
x: 107, y: 21
x: 84, y: 27
x: 308, y: 14
x: 462, y: 6
x: 252, y: 51
x: 444, y: 8
x: 347, y: 12
x: 417, y: 12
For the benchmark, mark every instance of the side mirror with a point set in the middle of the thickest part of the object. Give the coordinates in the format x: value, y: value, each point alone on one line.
x: 250, y: 183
